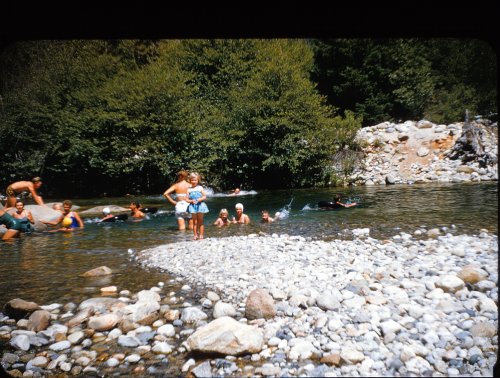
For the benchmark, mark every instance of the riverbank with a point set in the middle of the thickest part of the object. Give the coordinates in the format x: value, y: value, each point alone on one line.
x: 278, y: 305
x: 422, y: 152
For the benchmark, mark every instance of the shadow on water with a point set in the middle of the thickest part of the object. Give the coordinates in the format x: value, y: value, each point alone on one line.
x: 45, y: 267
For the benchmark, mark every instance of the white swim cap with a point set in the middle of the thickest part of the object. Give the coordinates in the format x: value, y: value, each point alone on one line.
x: 239, y: 206
x: 106, y: 211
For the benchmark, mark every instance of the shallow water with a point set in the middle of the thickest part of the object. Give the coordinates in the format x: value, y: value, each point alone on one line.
x: 44, y: 267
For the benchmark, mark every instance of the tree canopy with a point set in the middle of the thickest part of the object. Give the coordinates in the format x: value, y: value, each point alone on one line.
x: 123, y: 116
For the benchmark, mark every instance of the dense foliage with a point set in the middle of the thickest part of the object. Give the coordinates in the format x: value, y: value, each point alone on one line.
x: 399, y: 79
x: 123, y: 116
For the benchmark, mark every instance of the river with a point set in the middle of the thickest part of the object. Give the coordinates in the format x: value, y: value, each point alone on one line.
x: 45, y: 267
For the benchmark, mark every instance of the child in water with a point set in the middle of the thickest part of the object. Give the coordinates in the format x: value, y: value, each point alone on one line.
x: 223, y: 218
x: 197, y: 207
x: 266, y: 218
x: 76, y: 221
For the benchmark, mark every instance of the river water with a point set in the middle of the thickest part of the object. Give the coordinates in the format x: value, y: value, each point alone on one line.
x: 45, y: 267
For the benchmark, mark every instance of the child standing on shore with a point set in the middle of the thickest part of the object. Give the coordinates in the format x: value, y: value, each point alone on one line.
x: 197, y: 207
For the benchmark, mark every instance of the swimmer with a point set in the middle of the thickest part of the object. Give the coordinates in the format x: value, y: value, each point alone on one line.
x: 76, y: 221
x: 223, y: 218
x: 341, y: 204
x: 136, y: 213
x: 12, y: 224
x: 24, y: 216
x: 240, y: 218
x: 107, y: 214
x: 266, y: 218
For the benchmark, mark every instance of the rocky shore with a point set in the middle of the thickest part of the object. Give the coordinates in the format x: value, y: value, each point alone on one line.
x: 420, y: 152
x: 278, y: 305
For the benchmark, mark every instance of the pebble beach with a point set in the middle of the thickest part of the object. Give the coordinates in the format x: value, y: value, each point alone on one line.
x: 421, y: 304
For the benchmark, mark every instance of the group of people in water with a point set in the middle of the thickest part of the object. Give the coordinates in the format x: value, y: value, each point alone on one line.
x: 190, y: 206
x: 22, y: 220
x: 189, y: 202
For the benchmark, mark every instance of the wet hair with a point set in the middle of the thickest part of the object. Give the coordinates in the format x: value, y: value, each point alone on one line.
x: 223, y: 211
x: 337, y: 197
x: 265, y: 212
x: 68, y: 202
x: 34, y: 180
x: 136, y: 204
x: 19, y: 201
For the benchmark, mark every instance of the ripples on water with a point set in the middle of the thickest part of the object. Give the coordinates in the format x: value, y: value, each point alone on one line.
x: 44, y: 267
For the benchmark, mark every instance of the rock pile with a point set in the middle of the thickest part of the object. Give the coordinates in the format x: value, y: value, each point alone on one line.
x: 417, y: 152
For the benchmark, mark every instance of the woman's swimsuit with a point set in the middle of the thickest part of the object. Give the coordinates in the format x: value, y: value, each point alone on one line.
x: 74, y: 221
x: 10, y: 222
x: 25, y: 223
x: 194, y: 194
x: 181, y: 207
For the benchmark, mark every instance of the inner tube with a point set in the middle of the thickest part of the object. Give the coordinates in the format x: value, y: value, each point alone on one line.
x: 329, y: 205
x: 121, y: 217
x: 150, y: 210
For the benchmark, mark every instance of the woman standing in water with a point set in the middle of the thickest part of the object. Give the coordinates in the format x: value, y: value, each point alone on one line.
x: 180, y: 188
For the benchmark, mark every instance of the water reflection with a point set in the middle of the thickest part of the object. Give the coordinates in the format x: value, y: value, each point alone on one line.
x: 45, y: 267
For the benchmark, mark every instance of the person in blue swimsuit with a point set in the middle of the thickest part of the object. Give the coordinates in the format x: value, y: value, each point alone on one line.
x: 13, y: 225
x: 76, y: 221
x: 197, y: 206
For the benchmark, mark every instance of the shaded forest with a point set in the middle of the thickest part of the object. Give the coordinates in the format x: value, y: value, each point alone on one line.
x: 123, y: 116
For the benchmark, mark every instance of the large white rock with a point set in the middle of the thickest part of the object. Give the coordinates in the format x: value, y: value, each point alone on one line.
x: 226, y: 336
x: 450, y: 283
x: 301, y: 349
x: 103, y: 322
x: 223, y: 309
